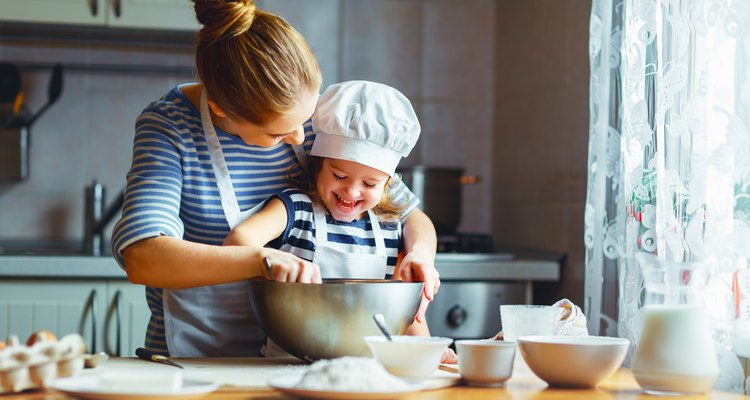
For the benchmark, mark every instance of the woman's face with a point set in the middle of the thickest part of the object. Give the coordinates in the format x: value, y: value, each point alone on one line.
x: 287, y: 128
x: 348, y: 189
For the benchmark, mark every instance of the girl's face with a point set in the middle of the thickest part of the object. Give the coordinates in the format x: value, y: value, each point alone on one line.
x: 348, y: 189
x: 287, y: 128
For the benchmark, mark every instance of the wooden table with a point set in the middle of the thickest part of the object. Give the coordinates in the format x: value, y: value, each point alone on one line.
x: 622, y: 385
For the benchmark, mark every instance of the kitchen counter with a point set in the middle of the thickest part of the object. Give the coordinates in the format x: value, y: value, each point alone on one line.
x: 496, y: 267
x: 451, y: 266
x: 524, y: 386
x: 67, y: 266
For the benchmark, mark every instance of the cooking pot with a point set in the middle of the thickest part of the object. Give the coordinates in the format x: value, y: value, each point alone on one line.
x: 439, y: 189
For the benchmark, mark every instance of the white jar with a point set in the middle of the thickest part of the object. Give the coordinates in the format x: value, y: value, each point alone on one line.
x: 675, y: 353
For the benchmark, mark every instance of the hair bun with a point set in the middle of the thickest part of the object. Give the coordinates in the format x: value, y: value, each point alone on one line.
x: 222, y: 18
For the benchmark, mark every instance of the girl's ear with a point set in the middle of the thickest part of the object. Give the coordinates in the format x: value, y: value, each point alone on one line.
x: 215, y: 109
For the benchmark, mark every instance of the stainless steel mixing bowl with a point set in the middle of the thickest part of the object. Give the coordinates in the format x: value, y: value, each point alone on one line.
x: 329, y: 320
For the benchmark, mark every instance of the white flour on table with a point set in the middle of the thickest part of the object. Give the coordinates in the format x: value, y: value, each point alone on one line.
x: 356, y: 374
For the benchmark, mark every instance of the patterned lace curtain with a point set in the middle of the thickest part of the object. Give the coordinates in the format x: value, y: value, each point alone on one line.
x: 669, y: 159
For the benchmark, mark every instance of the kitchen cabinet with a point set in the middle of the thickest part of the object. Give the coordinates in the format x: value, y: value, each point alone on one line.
x: 151, y: 14
x: 59, y: 11
x: 111, y: 314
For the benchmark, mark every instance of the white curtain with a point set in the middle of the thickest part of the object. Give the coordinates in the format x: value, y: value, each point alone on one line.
x: 669, y: 158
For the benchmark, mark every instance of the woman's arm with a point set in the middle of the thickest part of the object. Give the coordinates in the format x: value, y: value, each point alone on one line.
x: 420, y: 245
x: 172, y: 263
x: 418, y: 328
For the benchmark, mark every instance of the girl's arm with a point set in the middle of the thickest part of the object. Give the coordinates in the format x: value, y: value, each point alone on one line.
x: 265, y: 226
x: 261, y: 228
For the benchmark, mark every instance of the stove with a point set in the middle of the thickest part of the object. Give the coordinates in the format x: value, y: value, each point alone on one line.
x: 465, y: 243
x: 476, y: 279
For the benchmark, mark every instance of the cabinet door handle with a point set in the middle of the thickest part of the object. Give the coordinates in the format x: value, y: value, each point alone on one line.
x: 115, y: 307
x: 93, y: 7
x: 117, y: 8
x: 91, y: 305
x: 118, y: 322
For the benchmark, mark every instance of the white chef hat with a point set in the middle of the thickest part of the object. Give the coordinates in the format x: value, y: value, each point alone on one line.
x: 365, y: 122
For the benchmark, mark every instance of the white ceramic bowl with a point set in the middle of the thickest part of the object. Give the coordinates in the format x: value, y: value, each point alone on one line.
x: 573, y: 361
x: 413, y: 357
x: 485, y: 362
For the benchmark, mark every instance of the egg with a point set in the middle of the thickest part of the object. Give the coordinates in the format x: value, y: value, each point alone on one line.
x: 41, y: 336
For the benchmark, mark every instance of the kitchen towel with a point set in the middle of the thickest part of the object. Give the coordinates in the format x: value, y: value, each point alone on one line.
x: 572, y: 322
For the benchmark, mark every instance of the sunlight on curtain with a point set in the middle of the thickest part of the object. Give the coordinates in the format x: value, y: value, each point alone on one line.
x: 669, y: 160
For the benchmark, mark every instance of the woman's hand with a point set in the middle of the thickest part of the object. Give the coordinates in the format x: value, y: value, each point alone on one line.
x: 449, y: 357
x: 418, y: 264
x: 416, y: 267
x: 286, y: 267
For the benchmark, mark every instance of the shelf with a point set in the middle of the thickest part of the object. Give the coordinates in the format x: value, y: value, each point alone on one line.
x: 96, y: 35
x: 120, y: 69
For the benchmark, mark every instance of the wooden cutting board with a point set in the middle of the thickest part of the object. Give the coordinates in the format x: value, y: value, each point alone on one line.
x: 241, y: 373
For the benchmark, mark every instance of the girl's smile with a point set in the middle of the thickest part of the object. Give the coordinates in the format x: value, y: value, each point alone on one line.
x: 348, y: 189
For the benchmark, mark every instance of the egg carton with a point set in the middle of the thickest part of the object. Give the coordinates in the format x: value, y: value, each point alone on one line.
x: 36, y: 366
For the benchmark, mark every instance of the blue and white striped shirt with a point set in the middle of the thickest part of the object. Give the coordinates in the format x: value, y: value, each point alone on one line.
x: 171, y: 187
x: 356, y: 236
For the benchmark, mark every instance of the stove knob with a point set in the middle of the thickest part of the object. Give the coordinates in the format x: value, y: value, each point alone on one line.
x: 456, y: 316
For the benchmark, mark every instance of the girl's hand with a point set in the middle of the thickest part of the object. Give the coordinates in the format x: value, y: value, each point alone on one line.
x: 286, y: 267
x: 416, y: 267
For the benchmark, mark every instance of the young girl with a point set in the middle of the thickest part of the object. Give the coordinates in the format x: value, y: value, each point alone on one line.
x: 341, y: 218
x: 363, y: 129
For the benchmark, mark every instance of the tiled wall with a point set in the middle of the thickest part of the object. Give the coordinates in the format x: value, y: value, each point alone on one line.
x: 439, y: 54
x: 87, y: 134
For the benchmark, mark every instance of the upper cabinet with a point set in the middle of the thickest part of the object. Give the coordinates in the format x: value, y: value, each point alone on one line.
x: 149, y: 14
x: 158, y: 14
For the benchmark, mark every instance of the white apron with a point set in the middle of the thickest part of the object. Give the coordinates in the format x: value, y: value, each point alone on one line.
x: 335, y: 263
x: 215, y: 320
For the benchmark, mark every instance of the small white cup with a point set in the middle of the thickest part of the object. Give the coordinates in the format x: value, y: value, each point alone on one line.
x: 527, y: 320
x: 485, y: 362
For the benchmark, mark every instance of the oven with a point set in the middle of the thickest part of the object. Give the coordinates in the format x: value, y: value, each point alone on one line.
x: 476, y: 280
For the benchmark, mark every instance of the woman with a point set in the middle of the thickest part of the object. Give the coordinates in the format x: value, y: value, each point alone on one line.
x: 205, y: 156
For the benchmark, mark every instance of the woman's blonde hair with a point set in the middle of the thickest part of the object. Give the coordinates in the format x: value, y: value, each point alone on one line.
x: 253, y: 64
x: 307, y: 182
